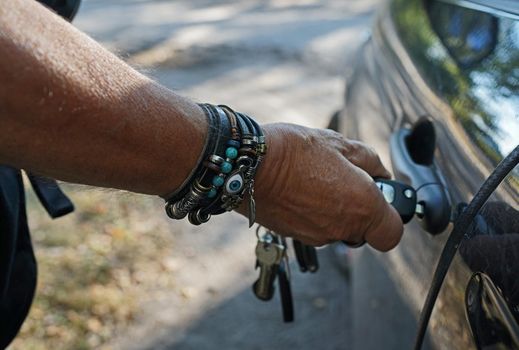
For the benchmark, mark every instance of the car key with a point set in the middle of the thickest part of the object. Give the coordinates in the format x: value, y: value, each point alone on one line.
x: 402, y: 197
x: 306, y: 256
x: 269, y: 255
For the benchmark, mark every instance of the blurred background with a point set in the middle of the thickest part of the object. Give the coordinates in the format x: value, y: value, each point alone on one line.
x: 117, y: 274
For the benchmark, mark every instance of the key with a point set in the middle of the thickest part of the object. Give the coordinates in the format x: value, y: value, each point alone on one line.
x: 299, y: 251
x: 402, y: 197
x: 306, y: 256
x: 285, y: 292
x: 269, y: 255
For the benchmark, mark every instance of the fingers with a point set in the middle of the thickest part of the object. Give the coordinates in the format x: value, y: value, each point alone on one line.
x: 386, y: 230
x: 360, y: 154
x: 366, y: 158
x: 333, y: 199
x: 380, y: 224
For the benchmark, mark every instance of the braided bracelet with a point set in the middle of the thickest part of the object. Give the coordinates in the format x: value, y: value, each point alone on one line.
x: 226, y: 170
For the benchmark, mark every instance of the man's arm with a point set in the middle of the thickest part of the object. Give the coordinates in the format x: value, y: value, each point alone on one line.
x: 71, y: 110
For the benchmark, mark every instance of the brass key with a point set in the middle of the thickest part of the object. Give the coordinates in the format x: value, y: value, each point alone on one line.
x: 268, y: 255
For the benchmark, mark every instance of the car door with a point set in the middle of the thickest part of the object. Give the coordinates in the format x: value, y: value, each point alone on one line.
x: 435, y: 91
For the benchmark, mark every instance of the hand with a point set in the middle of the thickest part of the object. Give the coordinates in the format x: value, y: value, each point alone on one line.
x: 318, y: 187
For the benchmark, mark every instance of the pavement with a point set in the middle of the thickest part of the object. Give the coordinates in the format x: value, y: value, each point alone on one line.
x: 278, y: 60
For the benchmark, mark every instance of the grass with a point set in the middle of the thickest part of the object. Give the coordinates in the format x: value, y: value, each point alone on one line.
x: 96, y: 268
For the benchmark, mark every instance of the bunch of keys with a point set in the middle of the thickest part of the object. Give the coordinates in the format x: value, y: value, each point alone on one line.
x: 271, y: 249
x: 272, y: 260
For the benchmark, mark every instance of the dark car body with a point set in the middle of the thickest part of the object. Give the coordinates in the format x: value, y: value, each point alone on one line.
x: 435, y: 90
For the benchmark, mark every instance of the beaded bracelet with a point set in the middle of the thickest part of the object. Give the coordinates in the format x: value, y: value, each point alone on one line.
x: 225, y: 174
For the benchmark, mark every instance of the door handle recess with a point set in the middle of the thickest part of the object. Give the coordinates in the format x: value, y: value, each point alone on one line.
x: 412, y: 157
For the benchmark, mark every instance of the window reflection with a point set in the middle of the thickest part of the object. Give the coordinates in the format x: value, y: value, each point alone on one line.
x: 469, y: 36
x: 470, y: 59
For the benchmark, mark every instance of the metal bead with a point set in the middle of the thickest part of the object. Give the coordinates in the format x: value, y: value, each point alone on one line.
x: 169, y: 210
x: 202, y: 218
x: 196, y: 217
x: 250, y: 142
x: 193, y: 219
x: 198, y: 186
x: 244, y: 161
x: 247, y: 151
x: 212, y: 166
x: 216, y: 159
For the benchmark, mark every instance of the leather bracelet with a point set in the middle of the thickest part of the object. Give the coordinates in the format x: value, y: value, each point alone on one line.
x: 226, y: 170
x: 208, y: 144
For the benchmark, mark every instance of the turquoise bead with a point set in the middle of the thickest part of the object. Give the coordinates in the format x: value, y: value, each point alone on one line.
x: 212, y: 193
x: 218, y: 181
x: 226, y: 167
x: 231, y: 153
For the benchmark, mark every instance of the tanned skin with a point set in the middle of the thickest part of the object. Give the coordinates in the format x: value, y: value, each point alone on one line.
x: 71, y: 110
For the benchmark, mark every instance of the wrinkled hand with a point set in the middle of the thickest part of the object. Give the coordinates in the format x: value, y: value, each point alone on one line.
x: 316, y: 186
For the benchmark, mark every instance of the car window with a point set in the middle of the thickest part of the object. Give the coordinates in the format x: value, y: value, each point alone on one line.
x: 470, y: 58
x: 469, y: 36
x: 485, y: 48
x: 509, y: 8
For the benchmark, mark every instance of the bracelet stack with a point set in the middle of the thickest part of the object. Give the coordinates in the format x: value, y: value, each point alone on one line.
x: 224, y: 176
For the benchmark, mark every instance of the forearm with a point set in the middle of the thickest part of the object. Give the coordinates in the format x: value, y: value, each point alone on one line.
x: 71, y: 110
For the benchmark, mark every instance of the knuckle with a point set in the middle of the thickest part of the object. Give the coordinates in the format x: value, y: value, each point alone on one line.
x: 349, y: 148
x: 356, y: 146
x: 371, y: 152
x: 333, y: 134
x: 366, y: 149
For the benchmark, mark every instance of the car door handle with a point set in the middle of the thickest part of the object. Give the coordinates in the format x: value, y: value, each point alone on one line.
x: 492, y: 322
x: 412, y: 158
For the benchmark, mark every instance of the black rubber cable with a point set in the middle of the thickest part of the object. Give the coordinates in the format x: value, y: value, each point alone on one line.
x: 461, y: 225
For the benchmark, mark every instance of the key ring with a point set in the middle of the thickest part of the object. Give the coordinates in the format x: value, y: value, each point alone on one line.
x: 267, y: 233
x: 257, y: 231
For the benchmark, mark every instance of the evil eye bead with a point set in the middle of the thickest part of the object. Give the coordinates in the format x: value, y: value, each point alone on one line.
x: 218, y: 181
x: 234, y: 184
x: 231, y: 153
x: 226, y: 167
